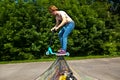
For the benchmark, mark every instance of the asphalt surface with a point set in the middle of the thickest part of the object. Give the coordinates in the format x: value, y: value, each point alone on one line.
x: 90, y: 69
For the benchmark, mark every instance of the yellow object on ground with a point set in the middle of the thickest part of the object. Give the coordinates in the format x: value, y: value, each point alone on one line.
x: 62, y: 77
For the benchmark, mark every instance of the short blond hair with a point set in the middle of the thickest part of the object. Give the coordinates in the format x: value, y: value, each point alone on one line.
x: 53, y: 8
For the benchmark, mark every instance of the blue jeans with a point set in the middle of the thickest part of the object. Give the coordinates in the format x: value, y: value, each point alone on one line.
x: 64, y: 32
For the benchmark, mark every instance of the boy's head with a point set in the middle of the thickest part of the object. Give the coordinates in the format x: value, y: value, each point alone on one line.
x: 52, y: 8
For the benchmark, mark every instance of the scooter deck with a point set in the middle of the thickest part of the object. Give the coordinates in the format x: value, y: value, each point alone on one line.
x: 57, y: 54
x: 66, y: 54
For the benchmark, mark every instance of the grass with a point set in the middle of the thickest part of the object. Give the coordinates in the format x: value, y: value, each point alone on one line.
x: 53, y: 58
x: 89, y: 57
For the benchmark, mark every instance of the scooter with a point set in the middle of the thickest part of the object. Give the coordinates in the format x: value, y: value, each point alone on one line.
x: 50, y: 51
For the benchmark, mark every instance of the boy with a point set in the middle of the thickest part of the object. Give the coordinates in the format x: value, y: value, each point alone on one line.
x: 66, y: 24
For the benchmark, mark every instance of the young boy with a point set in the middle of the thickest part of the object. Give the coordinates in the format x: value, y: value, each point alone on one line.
x: 66, y: 24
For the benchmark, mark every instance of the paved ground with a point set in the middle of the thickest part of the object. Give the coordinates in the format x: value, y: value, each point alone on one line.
x: 98, y: 69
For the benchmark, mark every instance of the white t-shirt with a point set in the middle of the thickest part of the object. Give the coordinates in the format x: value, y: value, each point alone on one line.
x: 63, y: 14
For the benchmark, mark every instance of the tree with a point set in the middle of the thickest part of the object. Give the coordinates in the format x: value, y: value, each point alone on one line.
x: 25, y: 28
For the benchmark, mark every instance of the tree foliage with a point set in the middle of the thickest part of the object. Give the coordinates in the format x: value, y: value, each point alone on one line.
x: 25, y: 28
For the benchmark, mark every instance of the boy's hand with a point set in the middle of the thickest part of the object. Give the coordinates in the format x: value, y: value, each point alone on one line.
x: 56, y: 28
x: 53, y: 29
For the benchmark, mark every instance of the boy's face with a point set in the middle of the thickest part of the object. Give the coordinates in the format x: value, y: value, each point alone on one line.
x: 52, y: 12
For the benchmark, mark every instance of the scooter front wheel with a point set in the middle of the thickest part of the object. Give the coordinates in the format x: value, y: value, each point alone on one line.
x: 47, y: 53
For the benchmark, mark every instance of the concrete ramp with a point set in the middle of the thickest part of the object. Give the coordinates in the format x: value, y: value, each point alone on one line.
x: 59, y: 66
x: 56, y: 69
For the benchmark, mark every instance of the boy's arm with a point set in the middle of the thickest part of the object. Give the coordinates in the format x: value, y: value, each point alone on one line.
x: 64, y: 20
x: 57, y: 22
x: 56, y: 25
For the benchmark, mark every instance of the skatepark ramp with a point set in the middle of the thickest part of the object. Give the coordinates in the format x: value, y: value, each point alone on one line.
x: 58, y: 70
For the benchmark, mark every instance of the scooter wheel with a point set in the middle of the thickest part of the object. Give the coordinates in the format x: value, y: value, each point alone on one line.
x: 47, y: 53
x: 68, y: 54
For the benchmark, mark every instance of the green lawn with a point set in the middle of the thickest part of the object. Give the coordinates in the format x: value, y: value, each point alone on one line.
x: 52, y: 58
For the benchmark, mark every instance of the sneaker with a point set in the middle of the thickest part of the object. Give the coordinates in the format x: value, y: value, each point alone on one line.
x: 62, y: 52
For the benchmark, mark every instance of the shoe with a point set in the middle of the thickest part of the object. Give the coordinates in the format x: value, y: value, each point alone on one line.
x: 62, y: 52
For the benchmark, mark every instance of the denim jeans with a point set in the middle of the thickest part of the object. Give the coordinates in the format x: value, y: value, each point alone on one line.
x: 64, y: 32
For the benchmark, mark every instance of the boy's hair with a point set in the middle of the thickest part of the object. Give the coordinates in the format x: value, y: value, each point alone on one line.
x: 53, y: 8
